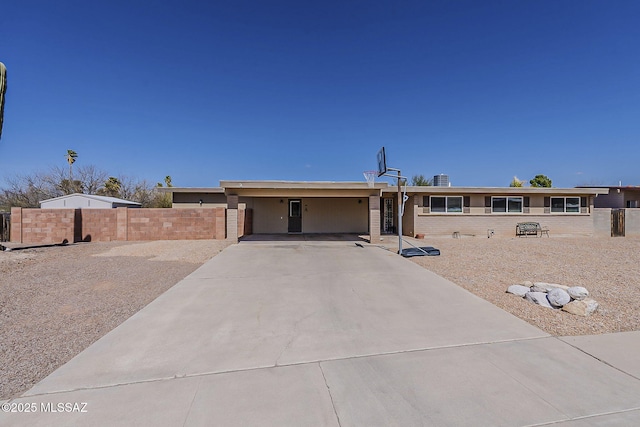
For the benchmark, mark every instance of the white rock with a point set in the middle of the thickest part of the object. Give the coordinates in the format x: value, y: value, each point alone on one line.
x: 539, y: 298
x: 518, y: 290
x: 546, y: 287
x: 578, y: 292
x: 558, y: 297
x: 581, y: 308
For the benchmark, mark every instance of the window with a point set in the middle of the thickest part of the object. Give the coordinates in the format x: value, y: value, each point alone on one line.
x: 449, y: 204
x: 506, y: 204
x: 565, y: 204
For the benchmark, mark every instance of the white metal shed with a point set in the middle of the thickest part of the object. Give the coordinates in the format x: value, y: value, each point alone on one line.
x: 86, y: 201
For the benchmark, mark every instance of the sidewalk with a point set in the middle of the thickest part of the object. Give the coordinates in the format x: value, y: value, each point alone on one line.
x: 330, y: 333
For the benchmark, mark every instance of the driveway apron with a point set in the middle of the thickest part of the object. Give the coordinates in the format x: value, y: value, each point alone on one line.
x: 328, y: 333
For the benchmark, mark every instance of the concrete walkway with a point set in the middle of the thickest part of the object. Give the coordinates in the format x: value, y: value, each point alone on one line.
x: 324, y: 332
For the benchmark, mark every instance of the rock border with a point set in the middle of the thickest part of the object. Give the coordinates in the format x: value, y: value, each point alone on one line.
x: 572, y: 299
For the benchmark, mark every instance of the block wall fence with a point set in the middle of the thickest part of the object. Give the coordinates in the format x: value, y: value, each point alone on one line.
x: 45, y: 226
x: 596, y: 224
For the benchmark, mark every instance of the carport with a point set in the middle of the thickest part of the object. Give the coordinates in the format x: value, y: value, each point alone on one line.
x: 287, y: 207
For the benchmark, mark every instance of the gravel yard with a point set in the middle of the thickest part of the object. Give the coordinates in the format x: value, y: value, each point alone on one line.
x: 608, y: 267
x: 56, y: 301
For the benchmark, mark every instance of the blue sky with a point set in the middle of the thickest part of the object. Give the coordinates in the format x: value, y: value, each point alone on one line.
x: 204, y: 91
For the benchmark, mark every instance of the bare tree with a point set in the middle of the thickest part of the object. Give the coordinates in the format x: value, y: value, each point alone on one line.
x: 29, y: 190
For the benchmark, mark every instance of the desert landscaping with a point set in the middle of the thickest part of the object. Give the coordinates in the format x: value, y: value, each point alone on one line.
x: 56, y: 301
x: 608, y: 267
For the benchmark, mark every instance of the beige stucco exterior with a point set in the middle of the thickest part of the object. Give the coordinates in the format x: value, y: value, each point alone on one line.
x: 319, y: 215
x: 352, y: 207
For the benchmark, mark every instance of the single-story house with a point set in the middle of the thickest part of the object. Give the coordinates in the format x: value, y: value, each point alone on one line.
x: 280, y: 207
x: 619, y: 197
x: 87, y: 201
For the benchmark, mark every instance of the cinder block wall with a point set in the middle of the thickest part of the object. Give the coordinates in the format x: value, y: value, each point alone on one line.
x: 632, y: 222
x: 97, y: 225
x: 44, y: 226
x: 503, y: 225
x: 602, y: 222
x: 172, y: 224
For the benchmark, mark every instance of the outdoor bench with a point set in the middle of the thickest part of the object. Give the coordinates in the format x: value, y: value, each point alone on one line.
x: 530, y: 229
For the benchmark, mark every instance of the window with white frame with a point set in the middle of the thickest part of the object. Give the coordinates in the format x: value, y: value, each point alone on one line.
x: 446, y: 204
x: 565, y: 205
x: 506, y: 204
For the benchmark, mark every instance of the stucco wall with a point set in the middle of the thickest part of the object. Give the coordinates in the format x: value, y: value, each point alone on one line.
x: 319, y: 215
x: 409, y: 217
x: 335, y: 215
x: 192, y: 200
x: 269, y: 215
x: 614, y: 199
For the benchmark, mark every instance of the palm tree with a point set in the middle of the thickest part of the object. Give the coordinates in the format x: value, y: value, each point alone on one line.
x: 421, y: 181
x: 71, y: 159
x: 112, y: 187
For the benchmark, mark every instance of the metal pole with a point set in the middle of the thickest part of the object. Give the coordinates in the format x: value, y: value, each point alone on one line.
x: 399, y: 216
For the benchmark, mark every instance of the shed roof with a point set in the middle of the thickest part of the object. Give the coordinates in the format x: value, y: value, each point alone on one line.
x: 95, y: 197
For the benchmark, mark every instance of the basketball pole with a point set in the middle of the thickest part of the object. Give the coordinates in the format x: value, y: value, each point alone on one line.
x: 400, y: 205
x: 400, y: 212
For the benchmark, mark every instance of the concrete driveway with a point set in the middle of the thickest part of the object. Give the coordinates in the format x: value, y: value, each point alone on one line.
x: 324, y: 332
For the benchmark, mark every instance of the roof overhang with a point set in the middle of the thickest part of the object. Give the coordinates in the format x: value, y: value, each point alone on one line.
x: 208, y: 190
x: 502, y: 190
x: 301, y: 188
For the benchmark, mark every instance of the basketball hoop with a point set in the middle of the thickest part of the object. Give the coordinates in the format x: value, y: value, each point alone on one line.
x: 370, y: 176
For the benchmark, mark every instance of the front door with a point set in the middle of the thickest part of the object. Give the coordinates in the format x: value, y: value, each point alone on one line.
x: 295, y: 216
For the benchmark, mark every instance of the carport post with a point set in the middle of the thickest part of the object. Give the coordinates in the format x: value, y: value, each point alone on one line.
x: 232, y: 218
x: 374, y: 218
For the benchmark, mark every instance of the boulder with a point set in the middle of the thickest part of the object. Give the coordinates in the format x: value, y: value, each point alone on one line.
x: 546, y: 287
x: 518, y: 290
x: 581, y: 307
x: 539, y: 298
x: 558, y: 297
x: 578, y: 292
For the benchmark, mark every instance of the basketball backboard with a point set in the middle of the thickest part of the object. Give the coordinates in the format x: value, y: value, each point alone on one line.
x: 382, y: 162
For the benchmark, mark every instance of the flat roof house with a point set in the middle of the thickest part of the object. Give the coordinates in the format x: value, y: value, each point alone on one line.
x: 280, y: 207
x: 620, y: 197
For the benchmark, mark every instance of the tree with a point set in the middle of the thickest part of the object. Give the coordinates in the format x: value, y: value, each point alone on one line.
x: 541, y: 181
x: 163, y: 200
x: 516, y: 182
x: 28, y: 190
x: 111, y: 188
x: 25, y: 191
x: 71, y: 159
x: 91, y: 178
x: 421, y: 181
